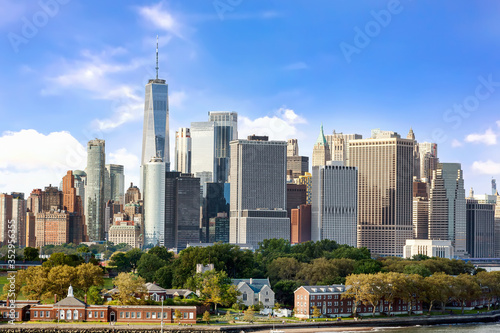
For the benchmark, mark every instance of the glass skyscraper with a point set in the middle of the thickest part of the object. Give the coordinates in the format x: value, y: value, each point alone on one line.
x: 94, y: 190
x: 226, y: 128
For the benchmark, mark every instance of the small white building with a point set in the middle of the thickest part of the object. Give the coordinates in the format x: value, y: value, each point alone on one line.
x: 254, y: 291
x: 428, y: 247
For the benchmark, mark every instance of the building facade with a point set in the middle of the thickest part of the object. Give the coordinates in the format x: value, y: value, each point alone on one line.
x: 428, y: 247
x: 255, y: 291
x: 335, y: 203
x: 301, y: 224
x: 480, y: 229
x: 447, y: 207
x: 385, y: 186
x: 116, y: 182
x: 154, y: 202
x: 125, y: 232
x: 94, y: 190
x: 258, y: 191
x: 183, y: 150
x: 321, y: 150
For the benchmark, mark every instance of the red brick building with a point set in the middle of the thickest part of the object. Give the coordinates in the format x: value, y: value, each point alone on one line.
x: 330, y: 303
x: 301, y: 224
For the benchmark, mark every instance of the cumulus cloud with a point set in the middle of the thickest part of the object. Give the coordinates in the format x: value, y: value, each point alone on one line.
x: 489, y: 138
x: 488, y: 168
x: 280, y: 126
x: 33, y: 160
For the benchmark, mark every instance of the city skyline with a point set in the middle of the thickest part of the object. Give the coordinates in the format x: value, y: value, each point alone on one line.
x: 61, y: 91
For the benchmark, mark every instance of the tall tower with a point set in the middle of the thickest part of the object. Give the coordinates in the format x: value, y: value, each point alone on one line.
x: 154, y: 202
x: 321, y: 150
x: 94, y: 190
x: 292, y: 148
x: 258, y: 191
x: 447, y: 206
x: 116, y: 182
x: 385, y: 190
x: 155, y: 136
x: 226, y: 127
x: 183, y: 150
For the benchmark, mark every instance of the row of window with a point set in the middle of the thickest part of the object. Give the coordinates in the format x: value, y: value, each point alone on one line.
x: 6, y: 315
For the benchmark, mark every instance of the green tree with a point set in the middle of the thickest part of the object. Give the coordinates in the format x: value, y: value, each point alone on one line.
x: 417, y: 269
x: 439, y: 289
x: 367, y: 266
x: 88, y: 275
x: 129, y: 286
x: 372, y: 290
x: 36, y: 282
x: 61, y: 259
x: 249, y: 314
x: 164, y: 277
x: 59, y: 279
x: 316, y: 313
x: 148, y: 265
x: 465, y: 288
x: 162, y: 252
x: 178, y: 316
x: 284, y: 289
x: 283, y: 269
x: 319, y: 271
x: 412, y: 290
x: 120, y: 261
x: 31, y: 254
x: 206, y: 317
x: 349, y: 252
x: 15, y: 281
x: 94, y: 296
x: 133, y: 257
x: 355, y: 292
x: 491, y: 282
x: 216, y: 288
x: 392, y: 285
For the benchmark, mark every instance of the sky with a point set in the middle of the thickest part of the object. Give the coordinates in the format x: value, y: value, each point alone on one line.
x: 74, y: 70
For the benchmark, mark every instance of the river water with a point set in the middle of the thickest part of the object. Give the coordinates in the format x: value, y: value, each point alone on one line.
x: 473, y: 328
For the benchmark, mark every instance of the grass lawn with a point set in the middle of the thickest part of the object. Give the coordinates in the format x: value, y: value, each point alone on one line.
x: 108, y: 283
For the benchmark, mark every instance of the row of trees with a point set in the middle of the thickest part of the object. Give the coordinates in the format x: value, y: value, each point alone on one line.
x: 439, y: 288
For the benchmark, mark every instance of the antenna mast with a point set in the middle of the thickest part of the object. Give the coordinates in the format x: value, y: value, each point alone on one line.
x: 157, y: 57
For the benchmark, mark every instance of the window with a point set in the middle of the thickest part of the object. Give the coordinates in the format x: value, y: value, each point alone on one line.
x: 62, y: 314
x: 348, y: 309
x: 336, y: 296
x: 5, y: 314
x: 90, y: 314
x: 68, y: 314
x: 41, y: 314
x: 127, y: 314
x: 75, y: 315
x: 121, y: 314
x: 132, y: 314
x: 329, y: 296
x: 312, y: 297
x: 329, y: 303
x: 165, y: 314
x: 244, y: 296
x: 102, y: 314
x: 47, y: 314
x: 191, y: 315
x: 336, y: 310
x: 153, y: 315
x: 95, y: 314
x: 185, y: 315
x: 159, y: 315
x: 138, y: 315
x: 336, y: 303
x: 35, y: 314
x: 266, y: 300
x: 147, y: 315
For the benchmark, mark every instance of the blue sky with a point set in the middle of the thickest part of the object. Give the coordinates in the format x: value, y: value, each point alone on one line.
x: 75, y: 70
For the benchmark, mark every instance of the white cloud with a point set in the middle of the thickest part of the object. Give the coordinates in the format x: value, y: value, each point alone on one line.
x: 129, y: 161
x: 488, y: 168
x: 498, y: 123
x: 158, y: 17
x: 489, y: 138
x: 296, y: 66
x: 280, y: 126
x: 455, y: 143
x: 30, y: 159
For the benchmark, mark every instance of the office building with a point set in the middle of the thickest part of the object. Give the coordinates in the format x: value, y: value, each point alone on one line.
x: 219, y: 228
x: 155, y: 135
x: 19, y: 210
x: 30, y: 229
x: 339, y: 145
x: 154, y: 202
x: 183, y: 150
x: 296, y: 195
x: 428, y: 159
x: 321, y: 150
x: 116, y: 182
x: 215, y: 202
x: 203, y: 138
x: 428, y: 247
x: 480, y: 229
x: 94, y: 190
x: 133, y: 194
x: 335, y: 203
x: 447, y: 206
x: 5, y: 216
x: 182, y: 210
x: 301, y: 224
x: 493, y: 186
x: 292, y: 148
x: 306, y: 179
x: 226, y: 130
x: 385, y: 188
x: 296, y: 166
x: 258, y: 191
x: 125, y: 232
x: 420, y: 209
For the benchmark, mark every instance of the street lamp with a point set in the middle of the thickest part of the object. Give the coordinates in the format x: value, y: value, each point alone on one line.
x: 162, y: 315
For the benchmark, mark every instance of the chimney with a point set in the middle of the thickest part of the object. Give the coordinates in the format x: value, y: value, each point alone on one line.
x: 8, y: 301
x: 85, y: 299
x: 55, y: 298
x: 251, y: 280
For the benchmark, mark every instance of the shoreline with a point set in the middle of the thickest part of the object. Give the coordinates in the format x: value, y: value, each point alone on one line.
x: 364, y: 325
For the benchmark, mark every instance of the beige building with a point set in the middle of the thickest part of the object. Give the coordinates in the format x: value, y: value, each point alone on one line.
x: 385, y: 191
x: 125, y: 232
x: 292, y: 148
x: 428, y: 247
x: 255, y: 291
x: 321, y: 150
x: 339, y: 145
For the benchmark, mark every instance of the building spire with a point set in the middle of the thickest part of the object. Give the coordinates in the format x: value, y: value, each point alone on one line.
x: 157, y: 57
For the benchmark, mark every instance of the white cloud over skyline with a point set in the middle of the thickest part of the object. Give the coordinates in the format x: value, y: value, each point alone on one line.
x: 488, y: 138
x: 280, y: 126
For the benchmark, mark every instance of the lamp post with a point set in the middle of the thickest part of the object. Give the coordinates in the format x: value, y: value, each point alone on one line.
x: 162, y: 315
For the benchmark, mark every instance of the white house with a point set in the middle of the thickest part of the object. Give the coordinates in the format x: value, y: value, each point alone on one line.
x: 254, y: 291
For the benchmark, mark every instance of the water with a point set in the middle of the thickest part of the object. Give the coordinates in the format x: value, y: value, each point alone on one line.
x: 472, y: 328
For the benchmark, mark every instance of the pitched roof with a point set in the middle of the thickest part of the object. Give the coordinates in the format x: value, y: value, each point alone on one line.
x: 256, y: 285
x: 334, y: 288
x: 321, y: 137
x: 179, y: 292
x: 70, y: 301
x: 154, y: 288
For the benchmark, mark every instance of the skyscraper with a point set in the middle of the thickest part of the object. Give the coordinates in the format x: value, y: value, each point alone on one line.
x: 203, y: 138
x: 385, y: 184
x: 447, y: 206
x: 292, y: 148
x: 5, y: 217
x: 428, y: 159
x: 19, y: 217
x: 339, y: 145
x: 258, y: 191
x: 335, y: 203
x: 94, y: 190
x: 420, y: 210
x: 183, y: 150
x: 321, y: 150
x: 116, y: 182
x: 155, y: 136
x: 480, y: 229
x: 226, y: 128
x: 154, y: 202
